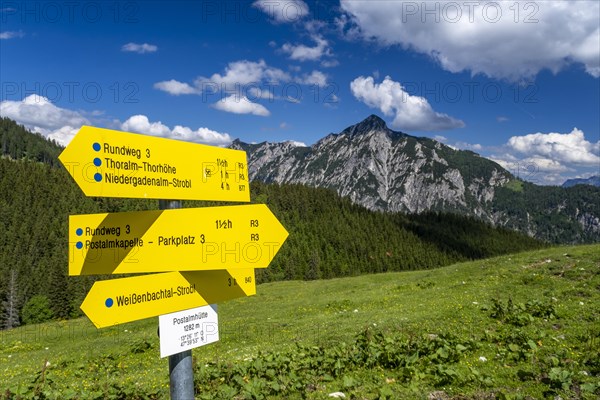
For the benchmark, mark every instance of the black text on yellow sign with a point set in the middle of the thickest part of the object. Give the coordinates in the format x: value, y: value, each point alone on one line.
x: 108, y: 163
x: 117, y: 301
x: 189, y: 239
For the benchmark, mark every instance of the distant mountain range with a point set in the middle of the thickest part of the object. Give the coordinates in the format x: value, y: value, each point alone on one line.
x: 391, y: 171
x: 592, y: 180
x: 386, y: 170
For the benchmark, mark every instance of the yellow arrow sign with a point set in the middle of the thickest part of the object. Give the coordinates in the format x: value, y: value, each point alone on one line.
x: 118, y: 301
x: 186, y: 239
x: 107, y: 163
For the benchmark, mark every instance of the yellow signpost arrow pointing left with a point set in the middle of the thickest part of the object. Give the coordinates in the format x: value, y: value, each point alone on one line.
x: 186, y: 239
x: 108, y: 163
x: 117, y: 301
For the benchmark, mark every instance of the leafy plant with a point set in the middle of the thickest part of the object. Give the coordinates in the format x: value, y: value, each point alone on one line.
x: 36, y: 310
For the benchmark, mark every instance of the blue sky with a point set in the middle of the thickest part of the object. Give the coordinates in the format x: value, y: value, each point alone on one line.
x: 516, y: 81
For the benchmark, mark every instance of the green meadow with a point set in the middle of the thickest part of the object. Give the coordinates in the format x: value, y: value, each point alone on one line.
x: 522, y: 326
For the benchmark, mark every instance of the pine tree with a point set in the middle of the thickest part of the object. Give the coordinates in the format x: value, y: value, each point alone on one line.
x: 314, y: 267
x: 58, y: 294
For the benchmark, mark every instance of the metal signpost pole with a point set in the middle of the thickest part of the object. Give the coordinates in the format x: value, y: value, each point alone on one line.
x: 181, y: 374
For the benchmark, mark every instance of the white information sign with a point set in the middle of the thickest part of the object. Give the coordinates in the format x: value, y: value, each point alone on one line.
x: 188, y: 329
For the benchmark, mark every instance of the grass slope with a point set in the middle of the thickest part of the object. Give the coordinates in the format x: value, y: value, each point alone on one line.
x: 524, y: 326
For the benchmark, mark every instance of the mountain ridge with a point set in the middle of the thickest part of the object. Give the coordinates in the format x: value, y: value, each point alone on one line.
x: 390, y: 171
x: 369, y: 149
x: 592, y: 180
x: 363, y: 165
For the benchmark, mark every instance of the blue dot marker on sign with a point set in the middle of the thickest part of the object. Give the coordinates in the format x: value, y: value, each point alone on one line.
x: 79, y: 232
x: 109, y: 302
x: 96, y: 146
x: 79, y: 245
x: 97, y: 162
x: 98, y: 177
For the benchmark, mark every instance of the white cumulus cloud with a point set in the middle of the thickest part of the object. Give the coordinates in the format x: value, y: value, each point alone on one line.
x: 254, y: 79
x: 200, y: 135
x: 315, y: 78
x: 245, y: 72
x: 302, y: 52
x: 238, y: 77
x: 539, y: 164
x: 141, y: 124
x: 537, y: 170
x: 38, y: 114
x: 258, y: 93
x: 570, y: 148
x: 283, y: 11
x: 139, y: 48
x: 241, y: 105
x: 411, y: 113
x: 176, y: 88
x: 511, y: 40
x: 549, y: 158
x: 242, y: 83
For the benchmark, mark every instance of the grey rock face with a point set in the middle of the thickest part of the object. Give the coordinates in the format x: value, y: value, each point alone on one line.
x: 386, y: 170
x: 379, y: 168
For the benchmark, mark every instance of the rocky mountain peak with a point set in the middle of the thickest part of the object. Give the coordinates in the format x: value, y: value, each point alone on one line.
x: 386, y: 170
x: 371, y: 123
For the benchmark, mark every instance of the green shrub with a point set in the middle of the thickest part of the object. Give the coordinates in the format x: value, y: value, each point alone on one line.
x: 36, y: 310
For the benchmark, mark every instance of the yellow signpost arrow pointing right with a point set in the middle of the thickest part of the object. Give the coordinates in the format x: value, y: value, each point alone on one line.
x: 117, y: 301
x: 186, y: 239
x: 107, y: 163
